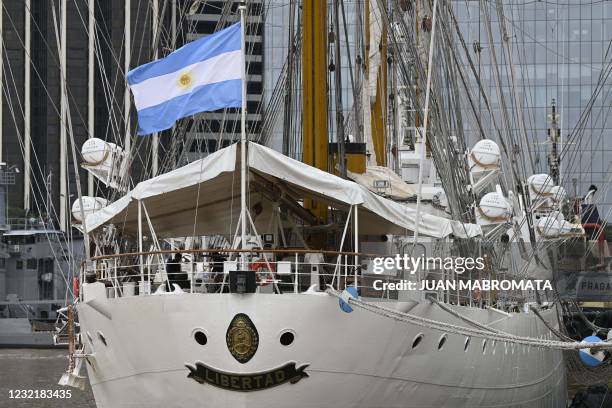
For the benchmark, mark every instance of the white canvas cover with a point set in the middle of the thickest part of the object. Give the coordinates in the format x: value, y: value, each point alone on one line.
x: 203, y: 198
x: 397, y: 189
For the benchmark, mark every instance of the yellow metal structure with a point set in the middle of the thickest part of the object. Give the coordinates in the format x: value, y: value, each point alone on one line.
x: 314, y: 92
x: 356, y: 162
x: 355, y: 157
x: 379, y: 108
x: 378, y: 113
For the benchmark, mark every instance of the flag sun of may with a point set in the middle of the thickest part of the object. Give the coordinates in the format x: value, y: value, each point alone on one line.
x: 203, y: 75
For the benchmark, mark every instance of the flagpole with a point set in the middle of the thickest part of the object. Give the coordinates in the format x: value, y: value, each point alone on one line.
x: 243, y: 144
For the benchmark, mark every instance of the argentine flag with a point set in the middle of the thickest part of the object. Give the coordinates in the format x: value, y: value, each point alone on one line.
x: 204, y: 75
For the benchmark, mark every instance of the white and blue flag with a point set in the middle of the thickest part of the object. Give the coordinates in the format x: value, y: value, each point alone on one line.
x: 204, y: 75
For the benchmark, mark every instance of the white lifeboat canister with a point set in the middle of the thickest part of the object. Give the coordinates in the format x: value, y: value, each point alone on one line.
x: 485, y: 155
x: 103, y: 160
x: 90, y: 206
x: 95, y: 151
x: 540, y: 184
x: 549, y: 227
x: 493, y: 209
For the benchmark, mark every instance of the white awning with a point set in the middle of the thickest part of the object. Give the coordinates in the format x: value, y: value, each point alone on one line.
x: 203, y: 198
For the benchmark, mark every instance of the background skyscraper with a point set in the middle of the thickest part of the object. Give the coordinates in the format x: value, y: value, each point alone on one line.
x: 98, y: 102
x: 33, y: 32
x: 561, y: 51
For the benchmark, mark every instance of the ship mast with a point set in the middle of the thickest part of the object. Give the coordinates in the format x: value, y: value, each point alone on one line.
x: 425, y: 122
x: 376, y: 78
x: 1, y: 81
x: 127, y: 51
x: 90, y: 83
x: 27, y: 168
x: 154, y: 44
x: 243, y: 141
x: 554, y: 135
x: 64, y: 220
x: 314, y: 94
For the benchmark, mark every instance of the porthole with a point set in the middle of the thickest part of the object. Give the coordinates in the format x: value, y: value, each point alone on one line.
x: 466, y: 344
x: 417, y: 340
x: 200, y: 338
x: 442, y: 341
x: 286, y: 338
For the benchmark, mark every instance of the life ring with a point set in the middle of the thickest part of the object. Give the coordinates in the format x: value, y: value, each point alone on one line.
x: 75, y: 287
x: 260, y: 267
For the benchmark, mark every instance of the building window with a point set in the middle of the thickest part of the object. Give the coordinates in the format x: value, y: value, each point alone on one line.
x: 31, y: 263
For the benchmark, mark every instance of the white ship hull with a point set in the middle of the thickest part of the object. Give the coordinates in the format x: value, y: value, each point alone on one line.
x: 356, y: 359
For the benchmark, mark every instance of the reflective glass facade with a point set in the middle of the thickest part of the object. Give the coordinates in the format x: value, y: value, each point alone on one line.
x: 558, y: 51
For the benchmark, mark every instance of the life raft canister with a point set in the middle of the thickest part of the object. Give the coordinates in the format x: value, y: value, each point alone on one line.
x: 75, y: 286
x: 476, y: 294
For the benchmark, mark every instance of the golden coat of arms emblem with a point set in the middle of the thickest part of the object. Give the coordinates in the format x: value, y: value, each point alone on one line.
x: 242, y: 338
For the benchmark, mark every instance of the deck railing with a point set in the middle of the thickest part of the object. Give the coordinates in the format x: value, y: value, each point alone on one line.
x: 276, y: 271
x: 207, y: 271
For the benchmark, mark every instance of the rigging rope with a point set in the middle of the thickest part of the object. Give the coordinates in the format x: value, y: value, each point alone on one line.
x: 467, y: 331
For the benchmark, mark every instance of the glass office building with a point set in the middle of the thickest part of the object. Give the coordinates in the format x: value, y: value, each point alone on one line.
x: 558, y: 52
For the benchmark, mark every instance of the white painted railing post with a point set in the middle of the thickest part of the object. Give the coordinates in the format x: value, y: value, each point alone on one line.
x: 297, y: 276
x: 356, y: 244
x: 142, y: 284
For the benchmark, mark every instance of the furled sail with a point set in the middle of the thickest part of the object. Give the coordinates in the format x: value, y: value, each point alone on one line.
x: 383, y: 180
